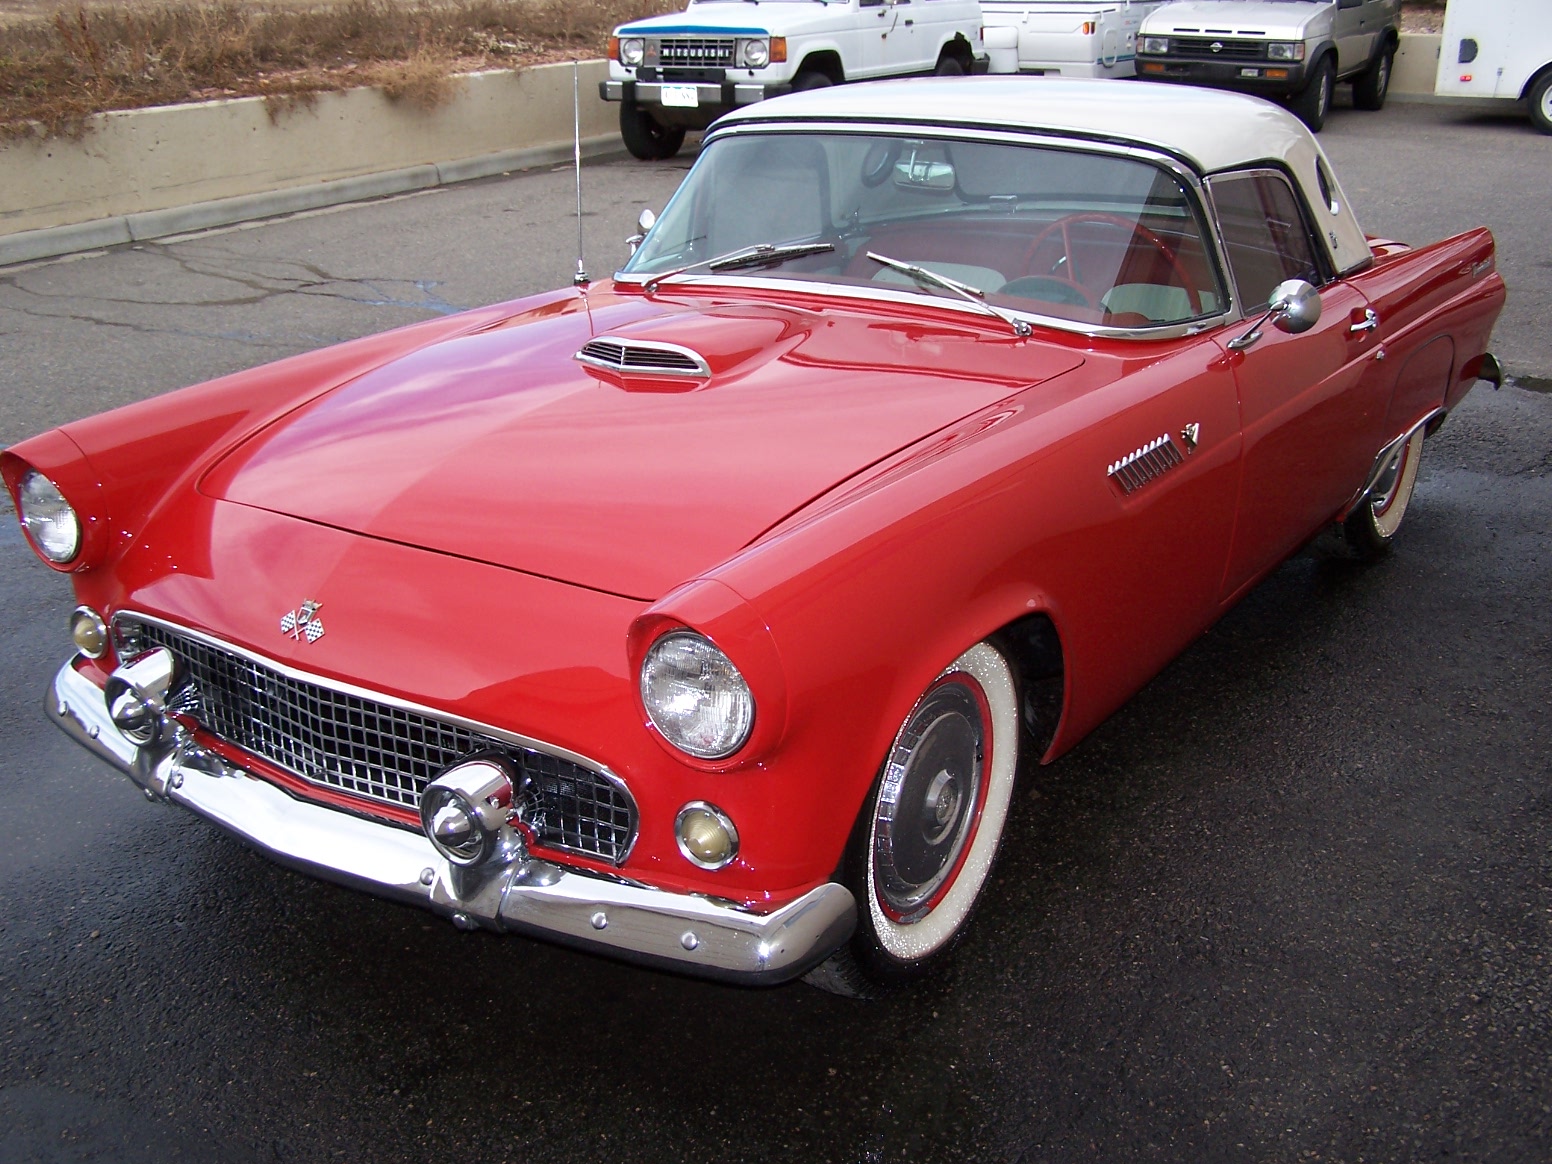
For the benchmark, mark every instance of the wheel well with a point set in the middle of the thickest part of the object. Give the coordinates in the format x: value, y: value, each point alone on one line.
x: 1034, y: 650
x: 959, y: 49
x: 1534, y: 79
x: 827, y: 62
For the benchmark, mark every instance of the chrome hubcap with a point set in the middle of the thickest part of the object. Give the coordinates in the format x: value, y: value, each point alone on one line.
x: 928, y: 800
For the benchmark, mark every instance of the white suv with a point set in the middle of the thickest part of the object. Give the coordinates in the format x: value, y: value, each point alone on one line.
x: 681, y: 71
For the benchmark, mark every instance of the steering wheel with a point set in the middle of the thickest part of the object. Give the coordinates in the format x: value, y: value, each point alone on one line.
x: 1064, y: 269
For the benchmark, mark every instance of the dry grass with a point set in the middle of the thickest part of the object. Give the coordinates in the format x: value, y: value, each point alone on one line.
x: 59, y: 66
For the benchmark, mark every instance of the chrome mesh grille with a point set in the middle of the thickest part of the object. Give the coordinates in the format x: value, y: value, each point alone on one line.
x: 378, y: 751
x: 1228, y: 50
x: 695, y: 52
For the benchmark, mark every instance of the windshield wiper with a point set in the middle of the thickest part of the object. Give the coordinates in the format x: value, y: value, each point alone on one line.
x: 759, y: 255
x: 972, y: 294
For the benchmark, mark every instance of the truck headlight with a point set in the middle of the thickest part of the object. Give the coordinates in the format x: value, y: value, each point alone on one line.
x: 1153, y: 45
x: 632, y: 49
x: 754, y: 54
x: 695, y: 696
x: 1285, y: 51
x: 46, y: 515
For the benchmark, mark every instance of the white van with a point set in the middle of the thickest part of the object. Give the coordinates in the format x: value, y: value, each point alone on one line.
x: 1068, y: 38
x: 1499, y: 48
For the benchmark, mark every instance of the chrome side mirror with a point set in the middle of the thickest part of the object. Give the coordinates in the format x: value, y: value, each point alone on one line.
x: 645, y: 221
x: 1293, y: 308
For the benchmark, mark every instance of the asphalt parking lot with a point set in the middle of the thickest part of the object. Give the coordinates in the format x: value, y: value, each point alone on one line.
x: 1293, y: 902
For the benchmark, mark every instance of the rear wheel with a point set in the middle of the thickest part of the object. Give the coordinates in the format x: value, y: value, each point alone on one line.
x: 923, y: 848
x: 950, y: 66
x: 1369, y: 90
x: 1540, y: 97
x: 644, y: 137
x: 1312, y: 105
x: 1370, y: 528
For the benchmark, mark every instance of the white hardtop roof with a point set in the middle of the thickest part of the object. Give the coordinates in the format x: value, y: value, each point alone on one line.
x: 1211, y: 129
x: 1208, y: 129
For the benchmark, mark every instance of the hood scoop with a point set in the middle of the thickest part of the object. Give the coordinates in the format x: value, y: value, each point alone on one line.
x: 625, y: 356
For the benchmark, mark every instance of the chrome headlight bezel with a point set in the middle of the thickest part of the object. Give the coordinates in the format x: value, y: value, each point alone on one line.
x: 754, y: 54
x: 1285, y: 51
x: 51, y: 522
x: 633, y: 50
x: 695, y: 696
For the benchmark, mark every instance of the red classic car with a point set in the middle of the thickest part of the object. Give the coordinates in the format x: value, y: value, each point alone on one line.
x: 705, y: 615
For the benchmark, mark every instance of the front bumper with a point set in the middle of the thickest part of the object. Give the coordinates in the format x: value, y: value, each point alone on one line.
x: 674, y: 931
x: 712, y: 98
x: 1262, y: 78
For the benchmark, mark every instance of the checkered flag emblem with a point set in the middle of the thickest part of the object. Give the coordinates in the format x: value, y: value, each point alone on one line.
x: 303, y: 622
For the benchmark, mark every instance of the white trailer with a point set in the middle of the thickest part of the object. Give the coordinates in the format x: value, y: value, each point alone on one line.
x: 1499, y: 48
x: 1069, y: 38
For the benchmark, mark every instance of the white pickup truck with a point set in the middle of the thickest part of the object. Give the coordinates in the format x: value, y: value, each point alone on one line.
x: 1068, y: 38
x: 681, y: 71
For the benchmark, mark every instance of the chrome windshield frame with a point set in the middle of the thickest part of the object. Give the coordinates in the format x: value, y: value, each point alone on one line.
x: 1189, y: 178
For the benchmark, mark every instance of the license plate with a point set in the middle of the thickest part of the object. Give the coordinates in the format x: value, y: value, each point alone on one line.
x: 681, y: 96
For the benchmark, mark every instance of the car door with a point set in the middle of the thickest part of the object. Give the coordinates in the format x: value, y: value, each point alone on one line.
x: 1352, y: 48
x: 1308, y: 409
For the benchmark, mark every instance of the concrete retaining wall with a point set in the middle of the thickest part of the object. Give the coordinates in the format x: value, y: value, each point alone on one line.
x: 144, y: 173
x: 149, y: 173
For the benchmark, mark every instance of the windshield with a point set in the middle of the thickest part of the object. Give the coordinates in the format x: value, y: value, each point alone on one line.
x: 1086, y: 237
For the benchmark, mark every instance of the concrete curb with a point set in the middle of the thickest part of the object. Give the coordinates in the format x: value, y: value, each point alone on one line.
x: 51, y: 242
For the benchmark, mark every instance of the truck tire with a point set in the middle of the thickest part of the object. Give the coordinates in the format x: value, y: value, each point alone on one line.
x: 1312, y: 105
x: 810, y: 79
x: 1371, y: 86
x: 1540, y: 100
x: 949, y: 66
x: 644, y: 137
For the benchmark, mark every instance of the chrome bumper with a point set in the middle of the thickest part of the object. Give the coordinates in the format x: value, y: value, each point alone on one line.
x: 529, y: 896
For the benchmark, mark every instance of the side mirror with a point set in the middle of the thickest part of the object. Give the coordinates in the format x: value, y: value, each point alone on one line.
x: 1295, y: 306
x: 645, y: 221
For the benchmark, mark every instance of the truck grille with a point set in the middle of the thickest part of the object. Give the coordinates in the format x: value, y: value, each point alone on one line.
x: 693, y: 52
x: 376, y: 750
x: 1201, y: 48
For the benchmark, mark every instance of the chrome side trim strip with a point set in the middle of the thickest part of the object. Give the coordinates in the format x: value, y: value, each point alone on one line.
x: 692, y: 934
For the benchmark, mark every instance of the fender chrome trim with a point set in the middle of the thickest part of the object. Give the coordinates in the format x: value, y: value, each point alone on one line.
x: 676, y: 931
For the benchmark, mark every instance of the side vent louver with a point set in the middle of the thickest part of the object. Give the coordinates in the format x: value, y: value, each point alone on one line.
x: 643, y: 357
x: 1148, y: 463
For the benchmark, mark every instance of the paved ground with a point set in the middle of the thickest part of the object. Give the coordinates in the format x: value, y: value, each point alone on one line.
x: 1293, y: 902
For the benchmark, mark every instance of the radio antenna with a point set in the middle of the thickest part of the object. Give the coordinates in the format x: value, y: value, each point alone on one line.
x: 580, y: 279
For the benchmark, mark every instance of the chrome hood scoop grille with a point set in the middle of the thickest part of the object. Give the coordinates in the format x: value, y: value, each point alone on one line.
x: 639, y: 357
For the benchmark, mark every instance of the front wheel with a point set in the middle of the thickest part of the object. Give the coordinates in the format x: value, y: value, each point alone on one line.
x: 1370, y: 89
x: 644, y: 137
x: 1370, y: 528
x: 1312, y: 105
x: 923, y: 848
x: 1540, y: 98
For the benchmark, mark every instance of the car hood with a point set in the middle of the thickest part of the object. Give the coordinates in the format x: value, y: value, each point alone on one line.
x: 1271, y: 19
x: 742, y: 19
x: 500, y: 446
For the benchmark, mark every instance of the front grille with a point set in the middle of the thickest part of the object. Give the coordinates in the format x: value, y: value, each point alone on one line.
x: 1201, y: 48
x: 376, y: 750
x: 695, y: 52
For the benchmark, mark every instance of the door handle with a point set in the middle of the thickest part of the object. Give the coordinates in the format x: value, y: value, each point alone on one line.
x: 1370, y: 322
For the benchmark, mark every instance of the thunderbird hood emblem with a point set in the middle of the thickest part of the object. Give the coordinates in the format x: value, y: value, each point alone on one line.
x: 303, y: 622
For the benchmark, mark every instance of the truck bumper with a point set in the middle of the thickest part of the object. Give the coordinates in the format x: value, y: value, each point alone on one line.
x: 710, y: 99
x: 635, y: 922
x: 1262, y: 78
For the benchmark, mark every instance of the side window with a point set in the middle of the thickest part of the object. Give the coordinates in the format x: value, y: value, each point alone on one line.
x: 1263, y: 234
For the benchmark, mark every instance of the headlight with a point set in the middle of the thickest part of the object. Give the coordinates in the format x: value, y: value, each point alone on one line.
x: 1280, y: 51
x: 696, y: 697
x: 631, y: 50
x: 1155, y: 45
x: 48, y: 518
x: 756, y: 53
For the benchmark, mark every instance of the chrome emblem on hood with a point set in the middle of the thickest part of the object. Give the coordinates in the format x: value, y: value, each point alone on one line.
x: 303, y: 622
